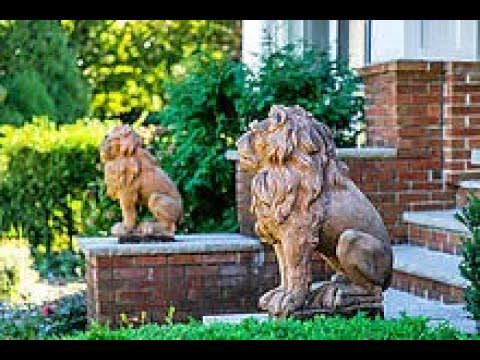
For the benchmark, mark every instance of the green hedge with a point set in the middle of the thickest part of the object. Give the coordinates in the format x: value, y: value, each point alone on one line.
x: 44, y: 171
x: 320, y: 328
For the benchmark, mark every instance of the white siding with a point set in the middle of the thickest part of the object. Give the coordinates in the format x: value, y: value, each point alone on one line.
x: 252, y: 35
x: 388, y: 38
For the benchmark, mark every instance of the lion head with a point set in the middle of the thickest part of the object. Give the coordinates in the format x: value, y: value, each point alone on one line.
x: 285, y: 133
x: 288, y: 151
x: 120, y: 152
x: 121, y: 141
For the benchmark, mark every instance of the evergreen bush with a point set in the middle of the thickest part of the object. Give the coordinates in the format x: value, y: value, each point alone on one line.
x: 39, y: 74
x: 470, y: 265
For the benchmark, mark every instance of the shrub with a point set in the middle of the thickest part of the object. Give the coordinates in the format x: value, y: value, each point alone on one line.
x: 67, y: 315
x: 202, y: 121
x: 470, y: 265
x: 327, y: 88
x: 209, y: 108
x: 40, y: 74
x: 44, y: 171
x: 319, y: 328
x: 65, y: 264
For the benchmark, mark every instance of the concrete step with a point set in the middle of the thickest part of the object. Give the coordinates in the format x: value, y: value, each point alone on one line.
x: 428, y: 273
x: 396, y: 303
x: 464, y: 188
x: 436, y: 229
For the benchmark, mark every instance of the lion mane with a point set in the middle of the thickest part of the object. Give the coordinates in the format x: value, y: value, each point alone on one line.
x: 294, y: 158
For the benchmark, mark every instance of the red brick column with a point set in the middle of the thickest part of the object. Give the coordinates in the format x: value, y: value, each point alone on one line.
x: 403, y: 108
x: 461, y: 119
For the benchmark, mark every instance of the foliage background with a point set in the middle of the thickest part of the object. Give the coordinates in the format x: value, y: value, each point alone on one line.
x: 39, y: 74
x: 127, y: 62
x: 179, y: 82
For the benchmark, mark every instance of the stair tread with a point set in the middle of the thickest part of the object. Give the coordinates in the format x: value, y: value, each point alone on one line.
x: 430, y: 264
x: 438, y: 219
x: 470, y: 184
x: 397, y: 302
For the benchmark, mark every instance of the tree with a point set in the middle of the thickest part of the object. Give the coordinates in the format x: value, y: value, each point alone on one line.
x: 128, y: 62
x: 39, y: 74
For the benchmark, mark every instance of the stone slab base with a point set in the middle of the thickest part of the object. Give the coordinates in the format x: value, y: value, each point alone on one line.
x: 372, y: 311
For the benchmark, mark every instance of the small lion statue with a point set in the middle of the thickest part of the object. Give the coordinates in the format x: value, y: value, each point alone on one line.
x: 133, y: 178
x: 304, y: 202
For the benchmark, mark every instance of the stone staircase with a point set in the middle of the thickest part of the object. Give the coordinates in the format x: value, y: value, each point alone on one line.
x: 428, y: 265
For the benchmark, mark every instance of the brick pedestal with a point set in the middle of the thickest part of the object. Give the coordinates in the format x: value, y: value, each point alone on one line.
x: 197, y: 274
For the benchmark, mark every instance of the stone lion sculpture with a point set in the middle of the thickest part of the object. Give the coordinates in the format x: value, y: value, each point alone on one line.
x: 304, y: 202
x: 133, y: 178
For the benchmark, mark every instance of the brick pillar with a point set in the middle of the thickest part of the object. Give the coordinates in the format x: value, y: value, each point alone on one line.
x: 404, y: 102
x: 461, y: 119
x: 403, y: 107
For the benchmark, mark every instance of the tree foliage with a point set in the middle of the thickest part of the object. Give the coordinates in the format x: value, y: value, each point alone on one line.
x: 202, y: 121
x: 128, y: 62
x: 39, y: 74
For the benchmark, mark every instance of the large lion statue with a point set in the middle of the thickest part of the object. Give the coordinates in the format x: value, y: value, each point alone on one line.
x: 133, y: 178
x: 304, y: 202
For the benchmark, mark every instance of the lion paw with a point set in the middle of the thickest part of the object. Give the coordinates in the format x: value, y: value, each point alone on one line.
x: 265, y: 298
x: 119, y: 229
x: 281, y: 302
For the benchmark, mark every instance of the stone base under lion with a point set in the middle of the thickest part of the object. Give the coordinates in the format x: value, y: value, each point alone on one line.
x: 335, y: 298
x: 147, y: 231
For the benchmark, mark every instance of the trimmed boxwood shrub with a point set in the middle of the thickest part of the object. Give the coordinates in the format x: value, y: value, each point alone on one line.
x: 320, y: 328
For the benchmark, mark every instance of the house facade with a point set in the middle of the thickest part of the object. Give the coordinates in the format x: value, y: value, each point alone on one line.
x: 366, y: 42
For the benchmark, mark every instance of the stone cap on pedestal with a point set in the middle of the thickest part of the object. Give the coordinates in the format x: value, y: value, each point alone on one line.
x: 183, y: 244
x: 345, y: 153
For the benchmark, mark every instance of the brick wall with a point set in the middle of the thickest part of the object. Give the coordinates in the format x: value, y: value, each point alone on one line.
x: 462, y: 119
x: 202, y: 282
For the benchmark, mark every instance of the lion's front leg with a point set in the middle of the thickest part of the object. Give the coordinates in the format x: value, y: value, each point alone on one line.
x: 128, y: 204
x: 297, y: 252
x: 265, y: 299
